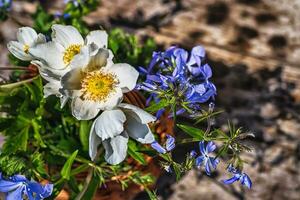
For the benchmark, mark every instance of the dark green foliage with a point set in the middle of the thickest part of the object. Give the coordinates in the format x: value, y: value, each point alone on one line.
x: 128, y: 49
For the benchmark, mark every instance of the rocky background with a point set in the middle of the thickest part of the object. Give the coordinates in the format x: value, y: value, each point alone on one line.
x: 254, y: 49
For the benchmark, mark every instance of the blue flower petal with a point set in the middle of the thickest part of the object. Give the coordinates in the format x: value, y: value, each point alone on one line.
x: 16, y: 194
x: 170, y: 144
x: 199, y: 161
x: 193, y: 154
x: 210, y: 147
x: 6, y: 186
x: 18, y: 178
x: 155, y: 145
x: 214, y: 162
x: 207, y: 167
x: 207, y: 71
x: 231, y: 180
x: 246, y: 181
x: 202, y: 148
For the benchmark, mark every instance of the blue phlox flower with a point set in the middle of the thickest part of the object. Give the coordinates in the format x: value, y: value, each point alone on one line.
x: 169, y: 145
x: 197, y: 54
x: 17, y: 186
x: 204, y: 159
x: 186, y: 76
x: 238, y: 176
x: 201, y: 93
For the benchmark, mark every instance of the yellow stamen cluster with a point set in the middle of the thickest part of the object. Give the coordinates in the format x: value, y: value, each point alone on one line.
x: 70, y: 52
x: 26, y: 48
x: 98, y: 85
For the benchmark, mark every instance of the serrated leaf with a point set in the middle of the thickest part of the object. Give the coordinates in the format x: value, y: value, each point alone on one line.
x: 133, y: 152
x: 66, y: 170
x: 194, y: 132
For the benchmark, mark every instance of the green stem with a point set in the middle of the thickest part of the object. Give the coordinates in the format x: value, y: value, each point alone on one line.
x: 12, y: 85
x: 86, y: 184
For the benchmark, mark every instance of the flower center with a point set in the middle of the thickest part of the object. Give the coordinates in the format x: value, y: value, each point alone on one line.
x: 97, y: 85
x: 70, y: 52
x: 26, y: 48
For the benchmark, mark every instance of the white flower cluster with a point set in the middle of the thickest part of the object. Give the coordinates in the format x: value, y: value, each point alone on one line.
x: 83, y: 72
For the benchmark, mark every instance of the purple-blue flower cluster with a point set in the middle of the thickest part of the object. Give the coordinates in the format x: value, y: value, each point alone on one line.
x: 177, y: 73
x: 17, y: 187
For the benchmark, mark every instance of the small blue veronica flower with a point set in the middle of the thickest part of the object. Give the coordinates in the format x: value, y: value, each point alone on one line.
x: 169, y: 146
x: 238, y: 176
x: 17, y: 186
x: 210, y: 163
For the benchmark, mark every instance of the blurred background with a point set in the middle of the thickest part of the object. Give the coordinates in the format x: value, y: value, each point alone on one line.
x: 253, y: 47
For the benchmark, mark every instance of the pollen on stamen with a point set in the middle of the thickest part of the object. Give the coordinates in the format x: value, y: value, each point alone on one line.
x: 70, y: 52
x: 26, y: 48
x: 98, y: 86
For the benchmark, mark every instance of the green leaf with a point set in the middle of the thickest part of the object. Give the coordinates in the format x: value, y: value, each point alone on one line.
x: 157, y: 106
x: 36, y: 129
x: 84, y: 131
x: 18, y: 142
x: 177, y: 170
x: 194, y: 132
x: 133, y: 152
x: 66, y: 170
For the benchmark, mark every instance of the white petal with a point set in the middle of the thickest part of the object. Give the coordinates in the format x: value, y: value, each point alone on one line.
x: 72, y: 80
x: 97, y: 37
x: 17, y: 49
x: 66, y: 35
x: 46, y: 72
x: 63, y: 101
x: 52, y: 88
x: 51, y: 53
x: 82, y: 59
x: 94, y: 142
x: 138, y: 131
x: 116, y: 149
x: 83, y: 109
x: 126, y: 74
x: 110, y: 124
x: 97, y: 61
x: 113, y: 100
x: 27, y: 35
x: 40, y: 39
x: 139, y: 114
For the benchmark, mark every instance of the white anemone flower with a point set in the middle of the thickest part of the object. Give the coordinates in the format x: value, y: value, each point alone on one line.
x: 95, y: 83
x: 27, y: 38
x: 54, y: 58
x: 114, y: 127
